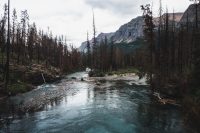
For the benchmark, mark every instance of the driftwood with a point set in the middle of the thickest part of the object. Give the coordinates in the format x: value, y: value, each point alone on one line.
x: 165, y: 101
x: 43, y: 78
x: 2, y: 85
x: 2, y: 98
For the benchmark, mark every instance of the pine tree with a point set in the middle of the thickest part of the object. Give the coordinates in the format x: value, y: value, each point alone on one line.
x: 24, y: 23
x: 149, y: 32
x: 95, y: 52
x: 8, y: 49
x: 3, y: 34
x: 88, y: 52
x: 14, y: 20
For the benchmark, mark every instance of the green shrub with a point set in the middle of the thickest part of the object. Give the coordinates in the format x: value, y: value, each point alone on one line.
x: 96, y: 73
x: 17, y: 88
x: 110, y: 74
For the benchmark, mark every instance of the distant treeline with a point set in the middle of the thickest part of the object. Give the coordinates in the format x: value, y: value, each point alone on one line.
x: 107, y: 56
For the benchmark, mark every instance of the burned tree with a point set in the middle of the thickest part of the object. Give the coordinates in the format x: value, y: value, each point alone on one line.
x: 149, y: 34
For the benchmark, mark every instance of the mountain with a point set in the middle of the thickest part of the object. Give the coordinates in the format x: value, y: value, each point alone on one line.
x: 189, y: 15
x: 176, y: 17
x: 99, y: 38
x: 127, y: 33
x: 131, y: 31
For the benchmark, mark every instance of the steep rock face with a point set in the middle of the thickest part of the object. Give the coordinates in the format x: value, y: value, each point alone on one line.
x: 190, y: 15
x: 176, y: 17
x: 99, y: 38
x: 132, y: 30
x: 129, y: 32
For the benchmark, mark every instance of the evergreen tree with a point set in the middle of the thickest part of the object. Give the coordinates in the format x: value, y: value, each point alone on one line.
x: 8, y: 49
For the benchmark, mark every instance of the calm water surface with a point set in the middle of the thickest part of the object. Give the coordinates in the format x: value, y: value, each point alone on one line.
x: 120, y: 108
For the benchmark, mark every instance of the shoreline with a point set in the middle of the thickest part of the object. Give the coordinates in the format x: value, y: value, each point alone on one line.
x: 130, y: 77
x: 26, y: 78
x: 39, y: 96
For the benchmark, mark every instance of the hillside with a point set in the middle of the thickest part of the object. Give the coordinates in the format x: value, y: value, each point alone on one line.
x: 129, y: 32
x: 189, y: 16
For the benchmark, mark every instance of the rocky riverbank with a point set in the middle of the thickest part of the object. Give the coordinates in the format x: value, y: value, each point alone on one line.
x: 130, y: 78
x: 43, y: 94
x: 26, y: 78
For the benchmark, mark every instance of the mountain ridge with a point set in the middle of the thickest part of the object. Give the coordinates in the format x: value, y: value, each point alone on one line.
x: 132, y: 30
x: 127, y: 33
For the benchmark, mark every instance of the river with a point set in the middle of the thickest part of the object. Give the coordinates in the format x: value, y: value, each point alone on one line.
x: 75, y: 106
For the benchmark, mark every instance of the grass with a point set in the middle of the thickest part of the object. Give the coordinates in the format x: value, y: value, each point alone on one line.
x: 124, y: 71
x: 18, y: 87
x: 96, y: 73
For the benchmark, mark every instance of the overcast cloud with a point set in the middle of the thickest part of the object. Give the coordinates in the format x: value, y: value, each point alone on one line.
x: 73, y: 18
x: 121, y: 7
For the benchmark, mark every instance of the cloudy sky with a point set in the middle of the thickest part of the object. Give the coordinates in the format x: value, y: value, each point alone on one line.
x: 73, y: 18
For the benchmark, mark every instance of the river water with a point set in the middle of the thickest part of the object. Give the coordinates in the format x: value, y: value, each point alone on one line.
x: 74, y: 106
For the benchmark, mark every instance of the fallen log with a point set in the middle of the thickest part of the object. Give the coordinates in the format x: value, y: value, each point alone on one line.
x: 165, y: 101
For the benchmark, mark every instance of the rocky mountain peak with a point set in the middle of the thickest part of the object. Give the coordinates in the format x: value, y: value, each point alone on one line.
x: 132, y: 30
x: 190, y: 14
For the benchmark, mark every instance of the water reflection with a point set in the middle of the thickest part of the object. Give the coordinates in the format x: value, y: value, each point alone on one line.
x: 121, y: 108
x: 152, y: 118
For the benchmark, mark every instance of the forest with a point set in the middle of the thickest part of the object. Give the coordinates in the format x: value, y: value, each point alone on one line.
x: 172, y: 58
x: 22, y: 44
x: 169, y: 56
